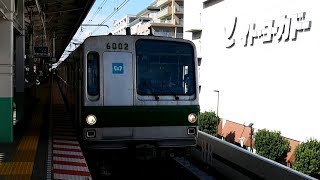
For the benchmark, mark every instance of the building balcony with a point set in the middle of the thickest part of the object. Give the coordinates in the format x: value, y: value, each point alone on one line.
x: 179, y: 9
x: 179, y: 35
x: 169, y: 34
x: 160, y: 21
x: 164, y: 34
x: 164, y: 12
x: 179, y: 22
x: 161, y: 3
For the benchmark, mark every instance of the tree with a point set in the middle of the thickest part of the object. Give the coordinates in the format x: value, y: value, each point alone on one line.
x: 307, y: 158
x: 271, y: 145
x: 208, y: 122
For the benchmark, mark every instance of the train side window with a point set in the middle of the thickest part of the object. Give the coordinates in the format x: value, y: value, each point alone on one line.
x: 93, y: 80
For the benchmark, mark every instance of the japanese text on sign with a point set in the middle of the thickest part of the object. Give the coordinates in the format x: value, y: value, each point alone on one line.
x: 285, y: 28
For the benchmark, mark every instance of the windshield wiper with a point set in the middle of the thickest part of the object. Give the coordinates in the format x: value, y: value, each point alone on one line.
x: 156, y: 97
x: 176, y: 97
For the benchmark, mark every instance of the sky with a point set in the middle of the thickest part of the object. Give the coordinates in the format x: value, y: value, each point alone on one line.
x: 104, y: 12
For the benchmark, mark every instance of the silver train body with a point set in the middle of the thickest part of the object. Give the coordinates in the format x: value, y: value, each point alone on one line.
x: 132, y: 90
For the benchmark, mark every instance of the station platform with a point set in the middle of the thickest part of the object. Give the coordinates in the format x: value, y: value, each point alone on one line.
x: 45, y: 145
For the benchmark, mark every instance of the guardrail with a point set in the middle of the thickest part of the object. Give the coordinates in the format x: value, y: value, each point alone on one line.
x: 237, y: 163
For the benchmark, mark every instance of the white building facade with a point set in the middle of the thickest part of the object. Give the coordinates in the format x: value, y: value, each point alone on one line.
x: 141, y: 25
x: 119, y: 27
x: 263, y: 58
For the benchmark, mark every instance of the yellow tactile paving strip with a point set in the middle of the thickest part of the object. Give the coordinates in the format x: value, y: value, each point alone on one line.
x: 25, y: 156
x: 28, y: 143
x: 23, y: 160
x: 16, y: 168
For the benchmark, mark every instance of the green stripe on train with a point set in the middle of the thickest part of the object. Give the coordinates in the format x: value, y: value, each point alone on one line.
x: 141, y: 115
x: 6, y: 122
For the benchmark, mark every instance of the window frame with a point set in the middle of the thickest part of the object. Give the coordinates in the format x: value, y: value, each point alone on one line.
x: 96, y: 92
x: 193, y: 66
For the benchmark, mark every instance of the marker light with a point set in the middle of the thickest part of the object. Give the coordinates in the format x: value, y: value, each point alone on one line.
x: 91, y: 119
x: 192, y: 118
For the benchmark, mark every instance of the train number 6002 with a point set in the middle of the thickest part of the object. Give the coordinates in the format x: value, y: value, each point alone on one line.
x: 120, y: 46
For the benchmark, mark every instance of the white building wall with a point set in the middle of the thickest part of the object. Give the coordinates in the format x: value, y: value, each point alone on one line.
x: 140, y: 28
x: 134, y: 28
x: 119, y: 27
x: 273, y: 85
x: 192, y: 15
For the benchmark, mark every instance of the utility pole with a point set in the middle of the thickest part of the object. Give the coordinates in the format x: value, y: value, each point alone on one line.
x: 251, y: 134
x: 217, y: 112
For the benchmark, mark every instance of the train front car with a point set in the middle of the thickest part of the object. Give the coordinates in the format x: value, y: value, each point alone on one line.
x: 140, y: 90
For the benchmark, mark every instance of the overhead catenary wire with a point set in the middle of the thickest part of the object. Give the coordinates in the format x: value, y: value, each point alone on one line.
x: 111, y: 15
x: 98, y: 10
x: 105, y: 20
x: 92, y: 17
x: 116, y: 10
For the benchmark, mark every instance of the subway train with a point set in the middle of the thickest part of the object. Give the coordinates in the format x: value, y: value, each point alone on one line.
x: 132, y: 91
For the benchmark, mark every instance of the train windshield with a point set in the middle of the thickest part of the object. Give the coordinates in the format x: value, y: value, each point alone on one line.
x: 165, y: 68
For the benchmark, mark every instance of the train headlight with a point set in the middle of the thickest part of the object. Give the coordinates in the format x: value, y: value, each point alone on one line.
x: 192, y: 118
x: 91, y: 119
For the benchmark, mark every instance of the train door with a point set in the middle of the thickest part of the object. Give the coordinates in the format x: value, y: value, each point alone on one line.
x: 118, y: 79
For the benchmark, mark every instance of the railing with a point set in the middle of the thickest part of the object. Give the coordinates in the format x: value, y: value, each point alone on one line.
x: 164, y: 34
x: 179, y: 9
x: 164, y: 12
x: 179, y: 35
x: 169, y: 34
x: 162, y: 21
x: 237, y: 163
x: 161, y: 2
x: 180, y: 22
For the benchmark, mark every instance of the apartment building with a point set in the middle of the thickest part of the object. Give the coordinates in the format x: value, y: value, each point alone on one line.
x: 140, y: 26
x: 163, y: 17
x: 119, y: 27
x: 169, y: 19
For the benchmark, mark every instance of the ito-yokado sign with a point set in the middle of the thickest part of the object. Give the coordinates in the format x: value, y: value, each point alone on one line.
x: 284, y: 28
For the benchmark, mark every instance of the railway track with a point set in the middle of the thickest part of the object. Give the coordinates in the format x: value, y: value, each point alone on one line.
x: 124, y: 165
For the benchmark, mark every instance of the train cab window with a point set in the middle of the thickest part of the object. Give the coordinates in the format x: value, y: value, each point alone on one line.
x: 93, y: 74
x: 165, y: 68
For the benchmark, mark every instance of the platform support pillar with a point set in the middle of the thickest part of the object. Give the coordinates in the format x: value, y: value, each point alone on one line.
x: 6, y: 72
x: 20, y: 62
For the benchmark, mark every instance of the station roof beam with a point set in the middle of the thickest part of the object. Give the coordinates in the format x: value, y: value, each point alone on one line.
x: 61, y: 19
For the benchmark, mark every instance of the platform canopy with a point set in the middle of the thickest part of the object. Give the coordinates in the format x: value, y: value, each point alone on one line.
x: 61, y: 19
